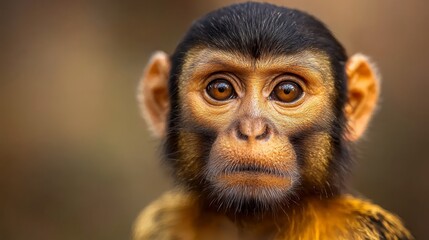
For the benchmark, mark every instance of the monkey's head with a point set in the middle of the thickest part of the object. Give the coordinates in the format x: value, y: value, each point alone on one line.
x: 258, y: 104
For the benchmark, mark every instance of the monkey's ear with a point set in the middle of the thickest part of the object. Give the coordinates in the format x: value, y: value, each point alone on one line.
x: 363, y: 92
x: 153, y: 94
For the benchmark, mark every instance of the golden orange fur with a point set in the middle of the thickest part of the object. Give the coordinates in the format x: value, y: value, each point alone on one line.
x: 176, y: 215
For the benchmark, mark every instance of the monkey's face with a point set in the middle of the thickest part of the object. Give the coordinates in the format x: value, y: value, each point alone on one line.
x: 254, y: 105
x: 253, y: 130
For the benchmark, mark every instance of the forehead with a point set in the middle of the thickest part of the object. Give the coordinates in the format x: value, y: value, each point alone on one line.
x: 313, y: 63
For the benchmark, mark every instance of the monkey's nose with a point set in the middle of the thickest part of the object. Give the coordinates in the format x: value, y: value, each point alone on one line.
x: 253, y: 129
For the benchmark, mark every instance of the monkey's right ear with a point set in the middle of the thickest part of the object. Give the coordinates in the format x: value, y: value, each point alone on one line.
x: 153, y: 94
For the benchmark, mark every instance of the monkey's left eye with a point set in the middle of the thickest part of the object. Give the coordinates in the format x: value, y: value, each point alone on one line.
x: 220, y: 89
x: 287, y: 92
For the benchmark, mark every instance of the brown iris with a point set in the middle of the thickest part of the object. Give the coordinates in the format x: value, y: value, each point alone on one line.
x: 220, y: 89
x: 287, y: 92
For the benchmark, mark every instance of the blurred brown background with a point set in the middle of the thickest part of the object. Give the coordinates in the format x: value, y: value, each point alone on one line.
x: 76, y: 160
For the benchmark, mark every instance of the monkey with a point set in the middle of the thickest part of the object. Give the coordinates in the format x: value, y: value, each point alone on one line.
x: 258, y: 110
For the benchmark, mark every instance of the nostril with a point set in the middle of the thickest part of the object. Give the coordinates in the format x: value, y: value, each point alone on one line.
x: 264, y: 135
x: 243, y: 130
x: 241, y: 136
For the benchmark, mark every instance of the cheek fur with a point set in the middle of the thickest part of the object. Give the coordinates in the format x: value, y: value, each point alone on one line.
x: 316, y: 157
x: 193, y: 150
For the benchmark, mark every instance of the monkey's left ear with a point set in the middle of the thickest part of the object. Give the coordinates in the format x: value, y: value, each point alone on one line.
x: 153, y: 94
x: 363, y: 92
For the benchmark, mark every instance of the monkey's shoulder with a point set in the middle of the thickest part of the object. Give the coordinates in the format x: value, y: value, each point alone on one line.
x: 178, y: 215
x: 168, y: 217
x: 360, y: 219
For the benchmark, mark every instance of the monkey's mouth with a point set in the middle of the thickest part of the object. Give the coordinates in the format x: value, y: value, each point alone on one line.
x: 254, y: 177
x: 239, y: 182
x: 252, y: 169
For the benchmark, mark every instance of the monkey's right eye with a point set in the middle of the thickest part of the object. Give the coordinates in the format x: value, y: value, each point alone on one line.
x: 220, y: 90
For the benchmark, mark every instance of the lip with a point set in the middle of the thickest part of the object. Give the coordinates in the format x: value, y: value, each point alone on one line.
x: 253, y: 169
x: 253, y: 178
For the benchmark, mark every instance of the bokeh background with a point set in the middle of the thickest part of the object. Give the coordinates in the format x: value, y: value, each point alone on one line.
x: 76, y: 159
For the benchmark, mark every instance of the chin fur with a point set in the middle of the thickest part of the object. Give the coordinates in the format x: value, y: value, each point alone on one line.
x: 250, y: 200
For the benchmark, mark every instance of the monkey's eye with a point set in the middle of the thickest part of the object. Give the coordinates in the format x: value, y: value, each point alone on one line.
x: 287, y: 92
x: 220, y: 89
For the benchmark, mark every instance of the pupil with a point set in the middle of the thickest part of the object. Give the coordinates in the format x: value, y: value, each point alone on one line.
x: 288, y: 89
x: 221, y: 88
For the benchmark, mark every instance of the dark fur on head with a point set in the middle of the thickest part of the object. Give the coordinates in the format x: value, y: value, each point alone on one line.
x: 256, y: 30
